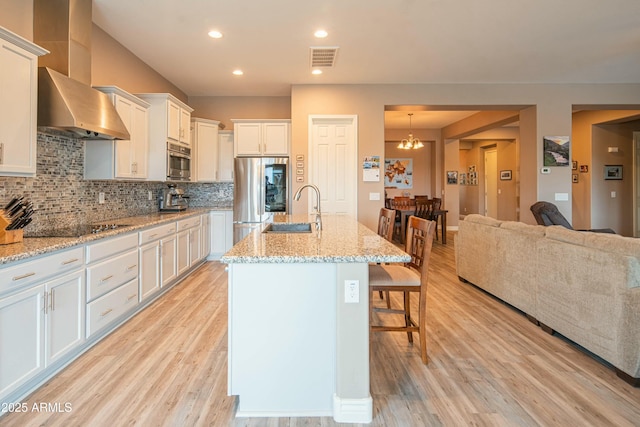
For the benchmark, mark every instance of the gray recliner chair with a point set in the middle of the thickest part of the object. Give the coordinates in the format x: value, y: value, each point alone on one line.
x: 547, y: 213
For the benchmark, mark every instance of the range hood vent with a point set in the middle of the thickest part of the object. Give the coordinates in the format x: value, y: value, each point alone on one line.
x: 71, y: 106
x: 66, y: 100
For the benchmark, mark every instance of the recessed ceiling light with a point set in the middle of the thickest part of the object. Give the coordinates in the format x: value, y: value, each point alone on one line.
x: 321, y: 34
x: 238, y: 72
x: 214, y: 34
x: 316, y: 71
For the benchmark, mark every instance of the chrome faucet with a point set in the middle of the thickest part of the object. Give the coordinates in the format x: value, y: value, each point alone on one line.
x: 316, y: 207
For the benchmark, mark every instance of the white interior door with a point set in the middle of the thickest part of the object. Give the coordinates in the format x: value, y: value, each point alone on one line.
x: 491, y: 183
x: 333, y: 163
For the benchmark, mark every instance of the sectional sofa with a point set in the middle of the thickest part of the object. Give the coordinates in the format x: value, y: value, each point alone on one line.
x: 583, y: 285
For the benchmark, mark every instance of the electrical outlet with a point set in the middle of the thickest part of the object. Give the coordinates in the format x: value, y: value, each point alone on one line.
x: 101, y: 198
x: 150, y: 195
x: 352, y: 291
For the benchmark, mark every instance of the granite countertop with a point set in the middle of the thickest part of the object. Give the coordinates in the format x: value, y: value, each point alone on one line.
x: 33, y: 246
x: 342, y: 240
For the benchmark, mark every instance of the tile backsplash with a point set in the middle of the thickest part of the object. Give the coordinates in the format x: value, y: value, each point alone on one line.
x: 61, y: 196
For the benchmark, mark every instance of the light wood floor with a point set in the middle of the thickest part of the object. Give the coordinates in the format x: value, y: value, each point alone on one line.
x: 488, y: 366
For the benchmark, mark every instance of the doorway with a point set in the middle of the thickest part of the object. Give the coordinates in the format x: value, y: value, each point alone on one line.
x: 333, y: 163
x: 491, y: 183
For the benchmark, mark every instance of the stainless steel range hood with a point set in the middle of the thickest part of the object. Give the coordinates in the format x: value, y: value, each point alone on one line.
x: 66, y: 100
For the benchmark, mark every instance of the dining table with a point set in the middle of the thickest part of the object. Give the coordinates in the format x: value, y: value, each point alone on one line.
x: 439, y: 216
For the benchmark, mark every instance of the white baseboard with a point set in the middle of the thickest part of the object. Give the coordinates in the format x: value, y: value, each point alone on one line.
x: 352, y: 410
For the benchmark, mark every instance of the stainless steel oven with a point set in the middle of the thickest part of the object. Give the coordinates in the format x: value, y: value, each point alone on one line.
x: 178, y: 162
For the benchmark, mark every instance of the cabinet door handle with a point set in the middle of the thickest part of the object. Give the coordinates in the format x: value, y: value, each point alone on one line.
x: 132, y: 296
x: 53, y: 299
x: 69, y: 261
x: 24, y: 276
x: 104, y: 279
x: 45, y: 300
x: 131, y: 267
x: 104, y: 313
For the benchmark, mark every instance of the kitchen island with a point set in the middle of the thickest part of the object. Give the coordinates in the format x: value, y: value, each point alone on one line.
x: 299, y: 319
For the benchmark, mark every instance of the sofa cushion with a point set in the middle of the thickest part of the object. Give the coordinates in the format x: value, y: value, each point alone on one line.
x: 561, y: 234
x: 481, y: 219
x: 521, y: 227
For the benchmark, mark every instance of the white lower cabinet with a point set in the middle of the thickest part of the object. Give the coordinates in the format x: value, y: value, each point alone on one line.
x: 205, y: 239
x: 183, y: 252
x: 220, y: 233
x: 53, y: 306
x: 38, y: 326
x: 108, y: 308
x: 64, y: 318
x: 149, y: 269
x: 189, y: 250
x: 21, y: 338
x: 112, y: 280
x: 169, y: 253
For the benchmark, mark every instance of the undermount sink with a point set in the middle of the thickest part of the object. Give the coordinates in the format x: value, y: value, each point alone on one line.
x: 287, y: 228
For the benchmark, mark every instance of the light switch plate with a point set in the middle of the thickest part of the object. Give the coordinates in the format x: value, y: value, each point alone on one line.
x: 374, y: 196
x: 561, y: 197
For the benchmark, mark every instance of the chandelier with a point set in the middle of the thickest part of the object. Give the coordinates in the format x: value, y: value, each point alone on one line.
x: 411, y: 142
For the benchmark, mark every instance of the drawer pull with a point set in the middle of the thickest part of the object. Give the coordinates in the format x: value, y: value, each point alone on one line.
x: 104, y: 313
x: 70, y: 261
x: 104, y: 279
x: 24, y: 276
x: 131, y: 267
x: 130, y: 297
x: 153, y: 235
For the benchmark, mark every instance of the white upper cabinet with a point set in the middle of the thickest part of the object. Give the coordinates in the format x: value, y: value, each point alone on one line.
x: 178, y: 122
x: 18, y: 104
x: 169, y: 122
x: 121, y: 159
x: 261, y: 137
x: 225, y: 156
x: 204, y: 136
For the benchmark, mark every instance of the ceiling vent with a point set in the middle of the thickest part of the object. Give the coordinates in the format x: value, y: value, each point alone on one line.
x: 323, y: 57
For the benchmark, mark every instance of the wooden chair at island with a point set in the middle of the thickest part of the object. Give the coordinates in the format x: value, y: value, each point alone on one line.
x: 386, y: 222
x: 406, y: 278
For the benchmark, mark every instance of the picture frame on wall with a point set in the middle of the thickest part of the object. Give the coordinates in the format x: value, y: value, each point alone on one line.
x: 613, y: 172
x: 574, y: 178
x: 452, y: 177
x: 574, y: 165
x: 505, y: 175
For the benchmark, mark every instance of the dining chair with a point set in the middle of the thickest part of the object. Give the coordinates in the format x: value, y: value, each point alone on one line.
x: 404, y: 206
x: 424, y: 208
x: 409, y: 277
x: 386, y: 222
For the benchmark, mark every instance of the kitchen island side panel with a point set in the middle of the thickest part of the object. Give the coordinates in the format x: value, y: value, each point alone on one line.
x: 282, y: 338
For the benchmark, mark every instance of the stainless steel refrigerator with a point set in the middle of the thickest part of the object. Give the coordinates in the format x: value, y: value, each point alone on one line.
x: 261, y: 189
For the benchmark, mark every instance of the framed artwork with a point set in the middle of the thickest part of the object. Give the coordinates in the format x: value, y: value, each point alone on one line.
x: 556, y: 150
x: 463, y: 178
x: 398, y: 173
x: 612, y: 172
x: 584, y: 168
x: 574, y: 165
x: 505, y: 175
x: 452, y: 177
x: 574, y: 178
x: 300, y: 157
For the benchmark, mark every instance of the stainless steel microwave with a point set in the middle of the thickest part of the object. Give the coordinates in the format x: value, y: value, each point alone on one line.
x: 178, y: 162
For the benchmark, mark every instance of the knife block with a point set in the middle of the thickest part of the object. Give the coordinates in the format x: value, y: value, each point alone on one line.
x: 9, y: 236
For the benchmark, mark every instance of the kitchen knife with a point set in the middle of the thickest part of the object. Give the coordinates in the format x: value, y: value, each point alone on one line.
x: 25, y: 222
x: 10, y: 204
x: 14, y: 203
